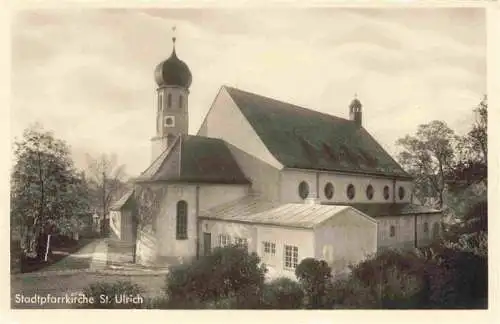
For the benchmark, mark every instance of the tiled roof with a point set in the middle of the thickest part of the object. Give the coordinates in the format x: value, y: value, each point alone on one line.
x: 195, y: 159
x: 122, y: 201
x: 306, y: 139
x: 256, y: 210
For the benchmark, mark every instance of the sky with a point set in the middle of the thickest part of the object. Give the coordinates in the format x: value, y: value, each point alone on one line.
x: 87, y: 74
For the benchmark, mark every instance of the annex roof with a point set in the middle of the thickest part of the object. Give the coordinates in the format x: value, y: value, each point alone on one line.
x: 195, y: 159
x: 256, y: 210
x: 377, y: 210
x: 117, y: 205
x: 306, y: 139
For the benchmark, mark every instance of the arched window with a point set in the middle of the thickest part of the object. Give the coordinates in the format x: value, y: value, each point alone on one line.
x: 386, y: 192
x: 181, y: 221
x: 392, y: 231
x: 169, y: 100
x: 160, y: 101
x: 401, y: 193
x: 351, y: 191
x: 181, y: 99
x: 303, y: 190
x: 369, y: 192
x: 329, y: 190
x: 426, y: 227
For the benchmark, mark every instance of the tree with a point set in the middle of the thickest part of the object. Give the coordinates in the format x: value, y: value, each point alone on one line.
x: 471, y: 167
x: 106, y: 179
x: 429, y: 157
x: 46, y: 190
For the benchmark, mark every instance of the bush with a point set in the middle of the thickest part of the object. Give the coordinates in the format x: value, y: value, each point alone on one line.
x: 111, y: 291
x: 351, y: 294
x: 315, y: 276
x: 282, y: 293
x: 228, y: 273
x: 458, y: 280
x: 395, y: 279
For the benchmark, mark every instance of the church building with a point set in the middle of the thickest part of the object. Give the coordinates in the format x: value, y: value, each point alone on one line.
x: 283, y: 181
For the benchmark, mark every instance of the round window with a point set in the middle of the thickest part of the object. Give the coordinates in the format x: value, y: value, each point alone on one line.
x: 329, y: 190
x: 401, y: 192
x: 351, y: 191
x: 386, y: 192
x: 303, y: 190
x: 369, y: 192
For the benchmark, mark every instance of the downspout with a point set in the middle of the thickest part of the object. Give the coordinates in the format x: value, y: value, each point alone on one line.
x: 197, y: 221
x: 415, y: 229
x: 394, y: 191
x: 317, y: 186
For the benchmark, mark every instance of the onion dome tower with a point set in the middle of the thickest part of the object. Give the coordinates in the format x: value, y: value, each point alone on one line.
x: 173, y: 79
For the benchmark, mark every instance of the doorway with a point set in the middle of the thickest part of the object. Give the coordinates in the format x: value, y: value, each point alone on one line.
x: 207, y: 243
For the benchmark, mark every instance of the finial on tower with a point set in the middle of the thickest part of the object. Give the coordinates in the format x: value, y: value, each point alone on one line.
x: 173, y: 37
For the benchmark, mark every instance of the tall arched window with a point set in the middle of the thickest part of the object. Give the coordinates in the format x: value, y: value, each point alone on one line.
x: 181, y: 221
x: 169, y: 100
x: 160, y: 101
x: 181, y: 99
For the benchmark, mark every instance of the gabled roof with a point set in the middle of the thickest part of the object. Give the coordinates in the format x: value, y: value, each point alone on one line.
x: 117, y: 205
x: 195, y: 159
x: 306, y: 139
x: 254, y: 210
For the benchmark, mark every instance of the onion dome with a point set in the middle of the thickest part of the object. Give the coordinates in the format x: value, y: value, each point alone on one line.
x: 173, y: 72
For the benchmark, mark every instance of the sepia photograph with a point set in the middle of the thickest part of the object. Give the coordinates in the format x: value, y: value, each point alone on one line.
x: 261, y: 158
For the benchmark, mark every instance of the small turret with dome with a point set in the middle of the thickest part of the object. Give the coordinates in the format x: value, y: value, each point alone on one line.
x: 173, y: 79
x: 355, y: 111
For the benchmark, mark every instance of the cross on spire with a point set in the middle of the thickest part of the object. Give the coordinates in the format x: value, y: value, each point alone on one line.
x: 173, y: 32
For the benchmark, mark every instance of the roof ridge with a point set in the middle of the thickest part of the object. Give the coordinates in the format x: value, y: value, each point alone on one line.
x: 288, y: 105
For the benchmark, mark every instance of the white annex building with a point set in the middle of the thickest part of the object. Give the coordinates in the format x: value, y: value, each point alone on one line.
x: 285, y: 181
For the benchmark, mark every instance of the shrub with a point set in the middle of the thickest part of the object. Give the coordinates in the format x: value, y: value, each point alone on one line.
x: 315, y: 276
x: 111, y: 291
x: 458, y: 280
x: 395, y: 279
x: 351, y: 294
x: 282, y: 293
x: 229, y: 272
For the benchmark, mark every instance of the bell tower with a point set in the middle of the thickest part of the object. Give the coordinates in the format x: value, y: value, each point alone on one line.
x: 355, y: 111
x: 173, y: 79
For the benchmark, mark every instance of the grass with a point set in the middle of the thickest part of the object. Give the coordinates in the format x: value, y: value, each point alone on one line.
x: 60, y: 258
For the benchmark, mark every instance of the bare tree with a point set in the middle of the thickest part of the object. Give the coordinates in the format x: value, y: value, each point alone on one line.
x: 106, y: 178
